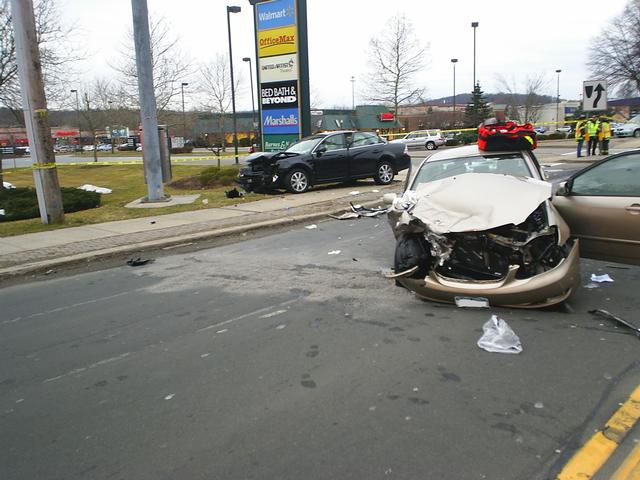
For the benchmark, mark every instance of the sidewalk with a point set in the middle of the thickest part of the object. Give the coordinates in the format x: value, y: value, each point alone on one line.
x: 42, y: 251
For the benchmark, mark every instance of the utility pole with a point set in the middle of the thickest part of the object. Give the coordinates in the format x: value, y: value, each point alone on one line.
x: 34, y: 104
x: 353, y: 93
x: 151, y: 151
x: 230, y: 10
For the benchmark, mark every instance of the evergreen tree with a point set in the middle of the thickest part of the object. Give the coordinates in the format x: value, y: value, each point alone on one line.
x: 477, y: 110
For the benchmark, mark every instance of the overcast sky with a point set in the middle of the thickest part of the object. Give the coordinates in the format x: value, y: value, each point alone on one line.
x: 514, y: 39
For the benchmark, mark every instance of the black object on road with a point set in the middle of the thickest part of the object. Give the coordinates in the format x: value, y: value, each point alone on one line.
x: 137, y: 262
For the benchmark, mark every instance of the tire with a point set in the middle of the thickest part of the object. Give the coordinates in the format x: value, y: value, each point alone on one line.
x: 636, y: 133
x: 384, y: 174
x: 297, y: 181
x: 431, y: 146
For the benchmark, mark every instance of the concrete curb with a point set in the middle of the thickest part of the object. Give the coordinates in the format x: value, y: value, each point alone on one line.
x: 71, y: 260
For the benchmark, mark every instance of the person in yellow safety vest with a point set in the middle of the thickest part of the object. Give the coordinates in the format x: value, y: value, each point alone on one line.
x: 580, y: 134
x: 592, y: 130
x: 604, y: 135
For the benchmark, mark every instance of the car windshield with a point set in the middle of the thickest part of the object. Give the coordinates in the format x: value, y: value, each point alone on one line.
x: 505, y: 163
x: 305, y: 145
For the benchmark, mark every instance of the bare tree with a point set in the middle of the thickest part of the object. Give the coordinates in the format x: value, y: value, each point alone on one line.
x: 215, y: 89
x: 170, y: 65
x: 615, y: 53
x: 395, y: 58
x: 57, y: 53
x: 524, y: 107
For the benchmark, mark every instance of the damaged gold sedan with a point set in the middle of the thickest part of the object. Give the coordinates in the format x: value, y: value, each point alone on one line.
x: 481, y: 224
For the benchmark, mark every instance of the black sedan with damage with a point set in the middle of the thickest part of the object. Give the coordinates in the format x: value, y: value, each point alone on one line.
x: 325, y: 158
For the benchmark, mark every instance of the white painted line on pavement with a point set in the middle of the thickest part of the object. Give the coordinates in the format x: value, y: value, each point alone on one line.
x: 250, y: 314
x: 88, y: 367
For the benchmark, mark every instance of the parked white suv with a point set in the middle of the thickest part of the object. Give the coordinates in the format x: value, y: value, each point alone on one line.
x: 429, y: 139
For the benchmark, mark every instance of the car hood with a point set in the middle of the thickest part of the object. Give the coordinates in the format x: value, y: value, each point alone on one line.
x: 472, y: 202
x: 267, y: 157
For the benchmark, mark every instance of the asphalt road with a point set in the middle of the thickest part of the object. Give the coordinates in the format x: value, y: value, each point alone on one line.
x: 271, y: 358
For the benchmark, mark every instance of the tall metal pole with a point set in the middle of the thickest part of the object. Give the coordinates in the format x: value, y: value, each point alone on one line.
x: 151, y: 151
x: 253, y: 103
x: 474, y: 25
x: 184, y: 118
x: 353, y: 93
x: 454, y: 61
x: 78, y: 118
x: 558, y: 100
x: 34, y: 104
x: 230, y: 10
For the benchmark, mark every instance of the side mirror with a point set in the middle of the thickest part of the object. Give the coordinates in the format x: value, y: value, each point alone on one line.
x: 320, y: 151
x: 388, y: 198
x: 564, y: 188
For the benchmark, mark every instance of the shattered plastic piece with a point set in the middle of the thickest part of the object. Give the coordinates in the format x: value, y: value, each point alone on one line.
x: 603, y: 313
x: 601, y: 278
x: 2, y: 211
x: 498, y: 337
x: 335, y: 252
x: 391, y: 274
x: 472, y: 302
x: 345, y: 216
x: 87, y: 187
x: 591, y: 285
x: 205, y: 201
x: 311, y: 227
x: 233, y: 193
x: 137, y: 262
x: 355, y: 192
x: 8, y: 185
x: 375, y: 191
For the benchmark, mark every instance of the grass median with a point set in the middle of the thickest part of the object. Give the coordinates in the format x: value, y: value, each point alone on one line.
x: 127, y: 183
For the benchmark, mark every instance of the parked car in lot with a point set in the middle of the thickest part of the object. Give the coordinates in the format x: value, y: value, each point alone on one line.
x: 540, y: 129
x: 428, y: 139
x: 626, y: 130
x: 126, y: 147
x: 88, y: 148
x: 485, y: 224
x: 325, y: 158
x: 104, y: 147
x: 565, y: 129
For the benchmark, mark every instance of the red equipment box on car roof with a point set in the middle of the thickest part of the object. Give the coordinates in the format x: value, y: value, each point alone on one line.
x: 496, y: 137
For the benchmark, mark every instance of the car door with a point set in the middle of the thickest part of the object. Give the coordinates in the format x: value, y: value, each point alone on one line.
x: 330, y: 160
x: 602, y: 207
x: 364, y: 150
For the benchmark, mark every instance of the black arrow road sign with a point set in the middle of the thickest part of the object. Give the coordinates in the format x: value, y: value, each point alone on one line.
x: 599, y: 88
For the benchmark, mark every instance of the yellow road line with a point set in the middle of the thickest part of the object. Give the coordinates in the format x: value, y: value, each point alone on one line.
x: 594, y: 454
x: 630, y: 468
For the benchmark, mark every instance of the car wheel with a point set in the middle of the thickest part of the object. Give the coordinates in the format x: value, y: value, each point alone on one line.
x: 636, y: 133
x: 297, y: 181
x: 384, y: 175
x: 431, y: 146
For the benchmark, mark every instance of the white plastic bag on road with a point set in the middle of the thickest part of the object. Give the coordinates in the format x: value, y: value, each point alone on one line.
x: 498, y: 337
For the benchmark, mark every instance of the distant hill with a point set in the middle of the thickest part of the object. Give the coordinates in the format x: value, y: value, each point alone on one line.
x: 464, y: 98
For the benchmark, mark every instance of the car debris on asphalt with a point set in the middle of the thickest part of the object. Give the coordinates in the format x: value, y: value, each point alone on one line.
x: 233, y: 193
x: 311, y: 227
x: 358, y: 211
x: 601, y: 278
x: 498, y: 337
x: 334, y: 252
x: 610, y: 316
x: 137, y: 262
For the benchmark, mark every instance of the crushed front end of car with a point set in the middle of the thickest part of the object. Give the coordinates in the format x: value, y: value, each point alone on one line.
x: 484, y: 235
x: 260, y: 173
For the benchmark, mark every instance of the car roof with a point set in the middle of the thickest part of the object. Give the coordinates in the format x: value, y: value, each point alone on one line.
x: 466, y: 151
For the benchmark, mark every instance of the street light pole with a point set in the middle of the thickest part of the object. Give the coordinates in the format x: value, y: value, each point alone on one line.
x: 110, y: 102
x: 454, y: 61
x: 253, y: 103
x: 353, y: 93
x: 78, y: 119
x: 474, y: 25
x: 233, y: 9
x: 184, y: 120
x: 558, y: 101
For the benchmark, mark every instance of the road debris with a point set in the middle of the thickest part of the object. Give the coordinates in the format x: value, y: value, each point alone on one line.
x: 471, y: 302
x: 498, y: 337
x: 87, y: 187
x: 345, y: 216
x: 233, y: 193
x: 2, y: 211
x: 205, y: 201
x: 608, y: 315
x: 355, y: 192
x: 137, y: 262
x: 8, y: 185
x: 334, y: 252
x: 311, y: 227
x: 358, y: 211
x: 601, y: 278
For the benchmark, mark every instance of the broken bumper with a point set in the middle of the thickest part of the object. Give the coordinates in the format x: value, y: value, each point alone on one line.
x: 545, y: 289
x: 251, y: 181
